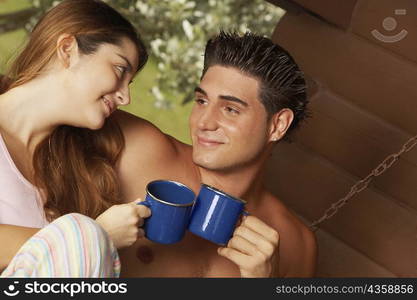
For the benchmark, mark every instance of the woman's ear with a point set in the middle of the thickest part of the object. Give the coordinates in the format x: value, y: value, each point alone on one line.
x: 279, y: 124
x: 67, y: 50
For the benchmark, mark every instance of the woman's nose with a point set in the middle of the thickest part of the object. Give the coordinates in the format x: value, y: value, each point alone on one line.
x: 123, y: 96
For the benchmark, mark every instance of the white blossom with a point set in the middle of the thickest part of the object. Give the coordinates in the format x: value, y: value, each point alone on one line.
x: 176, y: 32
x: 188, y: 29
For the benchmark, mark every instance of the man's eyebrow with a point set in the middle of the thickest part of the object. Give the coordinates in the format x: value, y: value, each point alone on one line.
x: 234, y: 99
x: 129, y: 66
x: 200, y: 90
x: 223, y: 97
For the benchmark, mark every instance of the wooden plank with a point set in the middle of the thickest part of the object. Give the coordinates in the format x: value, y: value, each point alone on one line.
x: 337, y: 259
x: 358, y: 142
x: 366, y: 74
x: 371, y: 222
x: 396, y: 20
x: 288, y: 6
x: 335, y: 12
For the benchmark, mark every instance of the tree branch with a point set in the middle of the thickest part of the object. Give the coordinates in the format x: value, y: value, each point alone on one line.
x: 15, y: 20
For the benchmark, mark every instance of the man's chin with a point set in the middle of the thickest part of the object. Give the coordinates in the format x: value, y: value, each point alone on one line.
x: 204, y: 162
x: 211, y: 165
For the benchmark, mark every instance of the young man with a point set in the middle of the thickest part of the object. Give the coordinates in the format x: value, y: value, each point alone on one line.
x: 250, y: 96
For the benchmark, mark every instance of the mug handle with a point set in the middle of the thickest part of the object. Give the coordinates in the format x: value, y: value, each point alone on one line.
x: 145, y: 203
x: 244, y: 213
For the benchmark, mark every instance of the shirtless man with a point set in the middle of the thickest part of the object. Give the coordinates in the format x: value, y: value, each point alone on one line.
x: 251, y: 94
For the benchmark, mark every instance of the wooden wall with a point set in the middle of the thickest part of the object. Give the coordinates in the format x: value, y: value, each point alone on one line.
x: 363, y: 95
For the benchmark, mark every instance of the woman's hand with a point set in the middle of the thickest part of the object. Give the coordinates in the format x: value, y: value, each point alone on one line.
x: 253, y: 248
x: 122, y: 222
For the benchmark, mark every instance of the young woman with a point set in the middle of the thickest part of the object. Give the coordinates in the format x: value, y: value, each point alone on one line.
x: 59, y: 148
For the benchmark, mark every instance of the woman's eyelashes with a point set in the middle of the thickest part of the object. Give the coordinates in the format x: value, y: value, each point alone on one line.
x: 121, y: 70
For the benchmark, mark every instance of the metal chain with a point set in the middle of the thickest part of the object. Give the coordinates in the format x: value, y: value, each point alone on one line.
x: 363, y: 184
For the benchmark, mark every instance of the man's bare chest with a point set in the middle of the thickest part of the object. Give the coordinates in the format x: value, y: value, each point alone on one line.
x: 192, y: 257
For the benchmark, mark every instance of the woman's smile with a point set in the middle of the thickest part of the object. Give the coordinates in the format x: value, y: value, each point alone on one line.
x: 110, y: 107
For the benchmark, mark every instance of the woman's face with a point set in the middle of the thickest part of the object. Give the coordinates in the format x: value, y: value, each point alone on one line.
x: 96, y: 84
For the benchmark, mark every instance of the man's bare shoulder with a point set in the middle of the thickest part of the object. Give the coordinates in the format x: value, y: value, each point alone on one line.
x: 298, y: 246
x: 141, y: 136
x: 149, y: 154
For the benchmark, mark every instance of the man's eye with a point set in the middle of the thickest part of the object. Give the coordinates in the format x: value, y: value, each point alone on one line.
x: 232, y: 110
x: 200, y: 101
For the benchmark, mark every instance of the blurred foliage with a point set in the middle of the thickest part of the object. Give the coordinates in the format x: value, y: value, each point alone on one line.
x: 176, y: 31
x: 7, y: 6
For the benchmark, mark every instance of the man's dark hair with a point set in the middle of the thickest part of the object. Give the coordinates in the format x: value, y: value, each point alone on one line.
x: 282, y: 84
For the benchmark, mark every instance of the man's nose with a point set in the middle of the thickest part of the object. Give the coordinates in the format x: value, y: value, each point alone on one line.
x: 208, y: 119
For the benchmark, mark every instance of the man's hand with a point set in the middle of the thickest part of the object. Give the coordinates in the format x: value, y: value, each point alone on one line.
x: 253, y: 248
x: 122, y: 222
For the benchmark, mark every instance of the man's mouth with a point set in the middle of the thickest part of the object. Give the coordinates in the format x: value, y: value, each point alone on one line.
x: 206, y: 142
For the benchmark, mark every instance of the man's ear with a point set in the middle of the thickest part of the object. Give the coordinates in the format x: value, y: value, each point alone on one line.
x: 66, y: 49
x: 279, y: 124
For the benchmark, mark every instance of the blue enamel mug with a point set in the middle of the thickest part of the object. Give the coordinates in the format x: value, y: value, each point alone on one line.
x: 171, y: 204
x: 215, y: 215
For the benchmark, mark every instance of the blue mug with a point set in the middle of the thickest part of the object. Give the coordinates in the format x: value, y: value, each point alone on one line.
x: 215, y: 215
x: 171, y: 205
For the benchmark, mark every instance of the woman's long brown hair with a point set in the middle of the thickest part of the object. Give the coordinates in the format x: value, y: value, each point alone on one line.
x: 74, y: 168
